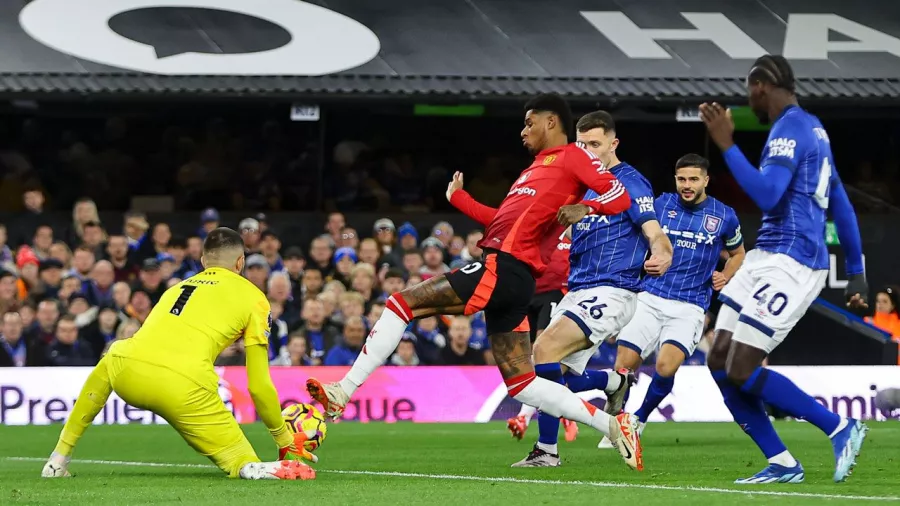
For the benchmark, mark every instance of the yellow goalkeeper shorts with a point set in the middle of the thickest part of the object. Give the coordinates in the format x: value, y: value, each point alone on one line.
x: 197, y: 414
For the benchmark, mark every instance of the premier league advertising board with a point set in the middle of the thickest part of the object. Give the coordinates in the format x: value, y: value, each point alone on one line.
x: 435, y: 394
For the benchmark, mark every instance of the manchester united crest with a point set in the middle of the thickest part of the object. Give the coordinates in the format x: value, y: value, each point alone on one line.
x: 549, y: 159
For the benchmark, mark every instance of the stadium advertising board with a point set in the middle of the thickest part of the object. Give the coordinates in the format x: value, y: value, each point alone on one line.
x: 433, y: 394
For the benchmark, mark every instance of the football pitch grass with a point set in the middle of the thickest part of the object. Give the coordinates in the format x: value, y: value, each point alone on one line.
x: 446, y: 464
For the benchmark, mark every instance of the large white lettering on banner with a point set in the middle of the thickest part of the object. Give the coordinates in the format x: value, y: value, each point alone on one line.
x: 321, y: 41
x: 46, y: 395
x: 806, y: 36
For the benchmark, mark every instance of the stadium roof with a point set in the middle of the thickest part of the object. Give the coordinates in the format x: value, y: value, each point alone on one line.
x: 648, y: 50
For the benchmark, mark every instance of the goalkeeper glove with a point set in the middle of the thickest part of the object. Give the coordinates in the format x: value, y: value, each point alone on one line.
x: 857, y: 291
x: 290, y: 446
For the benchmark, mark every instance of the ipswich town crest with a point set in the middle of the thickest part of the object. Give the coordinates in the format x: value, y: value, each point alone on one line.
x: 711, y: 224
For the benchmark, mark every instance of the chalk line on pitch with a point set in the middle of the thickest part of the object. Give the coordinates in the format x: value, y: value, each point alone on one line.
x: 456, y: 477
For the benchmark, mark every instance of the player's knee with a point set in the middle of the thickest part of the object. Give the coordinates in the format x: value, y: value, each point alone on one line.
x: 627, y: 358
x: 543, y: 350
x: 667, y: 367
x: 737, y: 373
x: 718, y: 355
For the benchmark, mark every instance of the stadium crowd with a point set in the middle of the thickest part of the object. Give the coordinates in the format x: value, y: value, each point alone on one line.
x: 65, y: 295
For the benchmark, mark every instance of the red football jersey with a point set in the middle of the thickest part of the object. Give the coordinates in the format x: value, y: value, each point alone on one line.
x: 557, y: 177
x: 555, y: 252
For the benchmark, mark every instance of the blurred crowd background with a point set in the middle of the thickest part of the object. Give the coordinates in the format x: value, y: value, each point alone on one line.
x: 69, y: 287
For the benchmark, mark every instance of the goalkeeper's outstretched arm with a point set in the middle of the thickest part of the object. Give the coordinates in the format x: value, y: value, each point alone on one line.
x: 264, y: 395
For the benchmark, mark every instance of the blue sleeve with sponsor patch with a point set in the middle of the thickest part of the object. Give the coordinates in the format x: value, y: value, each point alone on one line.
x: 642, y: 207
x: 732, y: 231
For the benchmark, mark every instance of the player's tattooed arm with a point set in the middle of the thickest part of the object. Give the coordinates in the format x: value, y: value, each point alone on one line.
x: 433, y: 297
x: 512, y: 352
x: 660, y: 248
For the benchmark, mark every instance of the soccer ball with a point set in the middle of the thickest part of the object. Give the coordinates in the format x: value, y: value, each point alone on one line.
x: 306, y: 419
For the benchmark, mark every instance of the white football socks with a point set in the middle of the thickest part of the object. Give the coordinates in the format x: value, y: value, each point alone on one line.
x: 784, y: 459
x: 381, y: 343
x: 613, y: 382
x: 557, y: 400
x: 528, y: 412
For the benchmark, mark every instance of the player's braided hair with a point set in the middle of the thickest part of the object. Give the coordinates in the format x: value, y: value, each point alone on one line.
x: 773, y: 69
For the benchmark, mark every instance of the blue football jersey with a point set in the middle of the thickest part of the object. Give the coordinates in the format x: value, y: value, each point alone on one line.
x: 698, y: 235
x: 796, y: 225
x: 610, y: 250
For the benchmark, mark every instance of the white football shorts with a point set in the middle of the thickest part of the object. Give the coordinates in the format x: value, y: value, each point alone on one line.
x: 601, y: 312
x: 658, y: 321
x: 769, y: 294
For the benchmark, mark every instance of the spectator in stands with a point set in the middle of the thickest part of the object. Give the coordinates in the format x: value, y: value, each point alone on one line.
x: 84, y: 211
x: 312, y: 284
x: 278, y: 333
x: 429, y: 339
x: 81, y: 309
x: 101, y: 331
x: 413, y: 262
x: 443, y: 232
x: 458, y: 351
x: 472, y: 251
x: 456, y: 247
x: 249, y: 229
x: 394, y: 281
x: 334, y: 225
x: 362, y: 281
x: 413, y: 280
x: 409, y: 237
x: 70, y: 286
x: 369, y: 253
x: 321, y: 334
x: 94, y: 237
x: 406, y: 351
x: 386, y: 240
x: 269, y: 246
x: 28, y: 264
x: 83, y: 261
x: 6, y: 256
x: 99, y: 288
x: 209, y: 221
x: 329, y: 302
x: 139, y: 306
x: 344, y: 260
x: 351, y: 304
x: 13, y: 349
x: 433, y: 253
x: 279, y: 290
x: 160, y: 238
x: 294, y: 265
x: 60, y: 251
x: 122, y: 297
x: 295, y: 353
x: 346, y: 351
x: 41, y: 241
x: 67, y: 349
x: 194, y: 252
x: 166, y: 267
x: 50, y: 274
x: 136, y: 227
x: 887, y: 311
x: 9, y: 300
x: 150, y: 280
x: 349, y: 238
x: 177, y: 250
x: 124, y: 267
x: 28, y: 221
x: 375, y: 311
x: 256, y: 269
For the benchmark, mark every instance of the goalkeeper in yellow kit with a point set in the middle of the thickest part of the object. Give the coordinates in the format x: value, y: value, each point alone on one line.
x: 167, y: 368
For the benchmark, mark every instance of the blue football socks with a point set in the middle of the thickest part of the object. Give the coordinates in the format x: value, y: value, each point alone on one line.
x: 750, y: 413
x: 777, y: 390
x: 660, y: 387
x: 548, y: 425
x: 588, y: 380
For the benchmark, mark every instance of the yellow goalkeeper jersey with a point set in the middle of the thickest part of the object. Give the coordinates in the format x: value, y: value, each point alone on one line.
x: 198, y: 318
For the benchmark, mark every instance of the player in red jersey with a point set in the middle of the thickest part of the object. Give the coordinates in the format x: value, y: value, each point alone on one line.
x: 549, y: 289
x: 542, y: 201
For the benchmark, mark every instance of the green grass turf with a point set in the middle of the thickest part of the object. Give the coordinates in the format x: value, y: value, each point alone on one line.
x: 676, y: 455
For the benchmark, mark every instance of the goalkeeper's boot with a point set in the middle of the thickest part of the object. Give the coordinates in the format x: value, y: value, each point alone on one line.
x: 625, y: 436
x: 774, y: 473
x: 517, y: 426
x: 615, y: 401
x: 571, y: 429
x: 279, y: 470
x: 330, y: 395
x: 57, y: 466
x: 847, y: 444
x: 538, y: 458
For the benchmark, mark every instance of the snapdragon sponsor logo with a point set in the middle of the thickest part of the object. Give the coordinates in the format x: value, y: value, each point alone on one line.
x: 527, y: 190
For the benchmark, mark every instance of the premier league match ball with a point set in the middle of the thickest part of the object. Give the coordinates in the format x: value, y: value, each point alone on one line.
x: 306, y: 419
